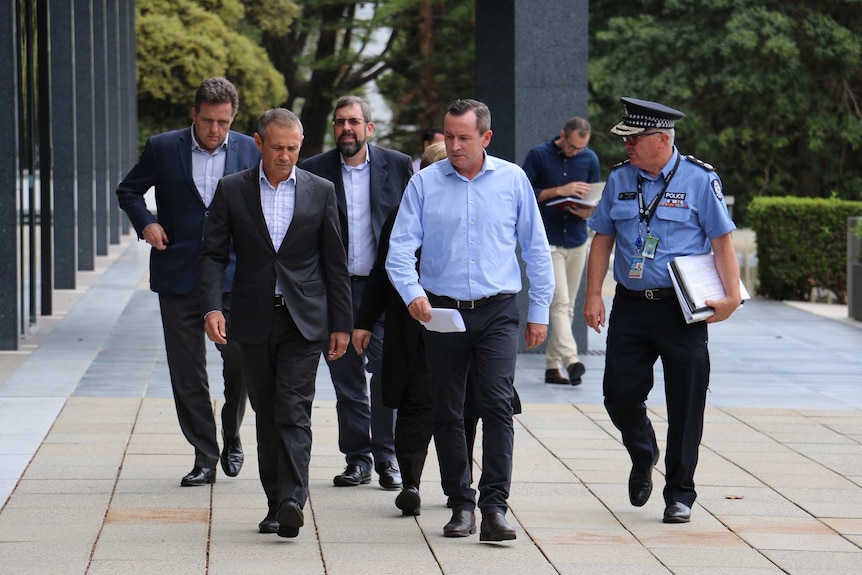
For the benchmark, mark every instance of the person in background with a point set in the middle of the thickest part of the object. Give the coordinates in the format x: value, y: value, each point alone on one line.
x: 468, y: 214
x: 292, y: 295
x: 430, y: 136
x: 369, y: 182
x: 657, y: 205
x: 184, y: 167
x: 564, y: 167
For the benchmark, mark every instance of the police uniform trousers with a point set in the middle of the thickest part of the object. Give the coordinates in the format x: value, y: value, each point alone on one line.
x: 639, y: 332
x: 281, y: 375
x: 365, y: 427
x: 490, y: 346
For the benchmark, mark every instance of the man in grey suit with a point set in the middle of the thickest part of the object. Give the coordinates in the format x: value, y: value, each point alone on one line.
x: 184, y: 167
x: 291, y: 294
x: 369, y: 182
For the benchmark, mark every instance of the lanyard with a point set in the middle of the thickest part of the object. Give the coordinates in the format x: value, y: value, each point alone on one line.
x: 646, y: 212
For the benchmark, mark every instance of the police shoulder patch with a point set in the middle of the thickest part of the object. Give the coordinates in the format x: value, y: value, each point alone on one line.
x: 716, y: 189
x: 701, y: 163
x: 621, y: 164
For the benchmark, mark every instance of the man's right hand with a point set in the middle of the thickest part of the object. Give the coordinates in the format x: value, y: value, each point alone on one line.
x: 214, y: 325
x: 154, y: 234
x: 420, y: 309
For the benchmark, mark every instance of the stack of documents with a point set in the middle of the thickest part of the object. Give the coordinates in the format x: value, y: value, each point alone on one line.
x: 591, y: 200
x: 695, y: 280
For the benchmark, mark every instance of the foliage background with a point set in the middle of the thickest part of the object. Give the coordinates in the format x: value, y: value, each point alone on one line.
x: 771, y: 89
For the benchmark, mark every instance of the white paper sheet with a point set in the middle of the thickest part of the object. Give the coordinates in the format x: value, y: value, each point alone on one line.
x: 445, y: 320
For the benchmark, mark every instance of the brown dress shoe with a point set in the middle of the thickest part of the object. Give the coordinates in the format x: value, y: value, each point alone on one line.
x: 496, y: 528
x: 554, y: 376
x: 462, y: 524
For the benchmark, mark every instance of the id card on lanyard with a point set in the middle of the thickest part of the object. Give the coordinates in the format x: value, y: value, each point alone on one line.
x: 646, y: 246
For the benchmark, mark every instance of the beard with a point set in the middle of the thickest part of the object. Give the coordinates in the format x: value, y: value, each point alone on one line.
x: 350, y: 149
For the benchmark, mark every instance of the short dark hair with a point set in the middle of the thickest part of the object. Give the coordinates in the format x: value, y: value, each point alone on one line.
x: 216, y: 90
x: 483, y: 114
x: 345, y: 101
x: 579, y: 125
x: 429, y: 133
x: 279, y: 116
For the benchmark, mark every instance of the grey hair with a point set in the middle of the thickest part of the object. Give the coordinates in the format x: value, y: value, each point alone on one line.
x: 579, y: 125
x: 279, y: 116
x: 345, y: 101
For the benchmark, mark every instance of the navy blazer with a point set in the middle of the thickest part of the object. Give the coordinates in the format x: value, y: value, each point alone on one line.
x: 390, y: 172
x: 310, y: 263
x: 166, y: 164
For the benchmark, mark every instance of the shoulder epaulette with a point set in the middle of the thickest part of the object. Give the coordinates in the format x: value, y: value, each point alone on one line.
x: 621, y: 164
x: 701, y: 163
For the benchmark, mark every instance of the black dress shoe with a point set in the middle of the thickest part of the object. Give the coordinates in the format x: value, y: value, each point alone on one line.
x: 496, y: 528
x: 352, y: 475
x: 408, y: 501
x: 232, y: 457
x: 390, y: 475
x: 576, y: 370
x: 554, y: 376
x: 462, y: 524
x: 640, y: 484
x: 677, y: 513
x: 269, y: 523
x: 290, y: 519
x: 198, y: 476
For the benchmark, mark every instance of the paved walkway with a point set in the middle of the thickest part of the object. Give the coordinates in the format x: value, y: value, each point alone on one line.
x: 91, y: 456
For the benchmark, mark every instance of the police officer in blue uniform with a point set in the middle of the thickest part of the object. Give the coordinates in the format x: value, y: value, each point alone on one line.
x: 657, y: 205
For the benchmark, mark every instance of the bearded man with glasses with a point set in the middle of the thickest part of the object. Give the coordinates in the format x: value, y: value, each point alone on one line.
x: 657, y: 205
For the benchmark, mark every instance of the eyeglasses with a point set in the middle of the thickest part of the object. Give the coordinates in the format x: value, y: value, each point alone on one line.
x: 633, y: 140
x: 352, y: 121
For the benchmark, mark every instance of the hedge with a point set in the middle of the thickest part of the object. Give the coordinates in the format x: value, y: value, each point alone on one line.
x: 801, y: 244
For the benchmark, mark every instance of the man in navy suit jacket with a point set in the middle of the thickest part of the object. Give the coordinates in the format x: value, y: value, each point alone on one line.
x: 184, y: 167
x: 369, y: 182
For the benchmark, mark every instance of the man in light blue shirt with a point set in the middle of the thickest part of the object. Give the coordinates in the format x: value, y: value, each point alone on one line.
x: 468, y: 214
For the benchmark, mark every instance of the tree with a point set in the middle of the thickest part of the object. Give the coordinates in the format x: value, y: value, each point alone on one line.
x: 770, y: 89
x: 330, y: 50
x: 432, y: 63
x: 181, y: 43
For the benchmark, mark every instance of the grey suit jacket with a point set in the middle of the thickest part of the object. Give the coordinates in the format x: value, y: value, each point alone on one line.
x: 310, y: 264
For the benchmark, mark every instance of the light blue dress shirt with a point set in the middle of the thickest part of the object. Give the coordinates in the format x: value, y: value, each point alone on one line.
x: 207, y: 168
x: 691, y: 213
x: 469, y: 231
x: 277, y: 204
x: 362, y: 245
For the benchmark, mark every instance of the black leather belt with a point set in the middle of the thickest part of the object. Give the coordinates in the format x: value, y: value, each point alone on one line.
x: 448, y: 302
x: 358, y: 278
x: 279, y: 300
x: 650, y: 294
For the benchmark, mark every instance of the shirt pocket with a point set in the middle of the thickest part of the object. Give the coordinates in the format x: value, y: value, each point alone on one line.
x: 674, y: 214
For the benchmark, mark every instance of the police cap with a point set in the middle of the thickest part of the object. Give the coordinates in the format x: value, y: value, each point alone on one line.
x: 640, y: 115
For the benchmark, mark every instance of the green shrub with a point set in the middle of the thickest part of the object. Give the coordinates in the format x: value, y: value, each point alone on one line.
x: 801, y: 244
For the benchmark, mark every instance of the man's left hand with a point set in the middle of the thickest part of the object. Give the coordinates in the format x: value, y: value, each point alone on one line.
x: 536, y: 334
x: 338, y: 341
x: 723, y: 308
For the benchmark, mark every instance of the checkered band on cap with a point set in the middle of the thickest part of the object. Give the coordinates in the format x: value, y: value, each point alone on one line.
x: 640, y: 115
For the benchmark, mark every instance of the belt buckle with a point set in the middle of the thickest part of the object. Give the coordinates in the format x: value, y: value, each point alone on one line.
x: 279, y: 300
x: 649, y: 294
x: 469, y: 304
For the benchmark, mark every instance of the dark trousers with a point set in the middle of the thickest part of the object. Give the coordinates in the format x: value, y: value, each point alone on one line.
x: 490, y: 346
x: 639, y: 332
x: 413, y: 427
x: 235, y: 393
x: 366, y: 427
x: 280, y: 373
x: 182, y: 323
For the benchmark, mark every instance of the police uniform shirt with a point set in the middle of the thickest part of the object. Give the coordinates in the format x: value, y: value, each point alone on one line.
x: 691, y: 213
